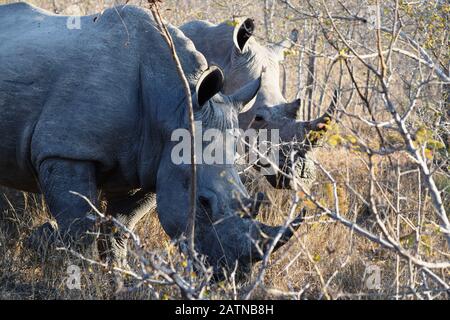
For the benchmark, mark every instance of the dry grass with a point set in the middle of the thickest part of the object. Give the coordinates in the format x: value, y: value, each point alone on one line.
x: 321, y: 248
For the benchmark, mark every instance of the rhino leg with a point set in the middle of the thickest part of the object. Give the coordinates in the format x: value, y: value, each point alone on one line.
x: 57, y: 177
x: 128, y: 209
x: 42, y: 238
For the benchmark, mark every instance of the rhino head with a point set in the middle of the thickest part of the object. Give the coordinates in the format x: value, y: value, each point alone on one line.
x: 225, y: 231
x: 248, y: 61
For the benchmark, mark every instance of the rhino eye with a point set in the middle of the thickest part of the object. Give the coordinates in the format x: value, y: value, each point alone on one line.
x: 259, y: 118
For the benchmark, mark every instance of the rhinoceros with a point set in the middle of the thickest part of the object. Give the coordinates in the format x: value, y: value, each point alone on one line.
x: 92, y: 109
x: 233, y: 47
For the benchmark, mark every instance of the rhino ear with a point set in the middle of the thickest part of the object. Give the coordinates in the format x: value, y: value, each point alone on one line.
x: 246, y: 96
x: 280, y: 48
x: 209, y: 84
x: 242, y: 33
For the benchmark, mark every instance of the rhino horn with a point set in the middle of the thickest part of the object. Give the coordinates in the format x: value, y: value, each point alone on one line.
x: 318, y: 123
x: 267, y: 235
x: 243, y: 32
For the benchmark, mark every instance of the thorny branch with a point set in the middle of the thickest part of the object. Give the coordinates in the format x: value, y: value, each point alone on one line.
x: 154, y: 7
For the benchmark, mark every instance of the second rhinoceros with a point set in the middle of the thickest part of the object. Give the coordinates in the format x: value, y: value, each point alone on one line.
x: 232, y: 46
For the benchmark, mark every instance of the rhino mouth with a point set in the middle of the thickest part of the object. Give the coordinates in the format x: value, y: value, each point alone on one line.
x: 236, y: 241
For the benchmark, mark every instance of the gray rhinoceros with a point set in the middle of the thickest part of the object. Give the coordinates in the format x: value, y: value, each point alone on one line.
x: 92, y: 109
x: 233, y: 47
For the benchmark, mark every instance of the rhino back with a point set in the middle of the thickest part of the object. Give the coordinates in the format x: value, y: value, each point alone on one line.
x: 76, y: 93
x: 63, y: 92
x: 215, y: 42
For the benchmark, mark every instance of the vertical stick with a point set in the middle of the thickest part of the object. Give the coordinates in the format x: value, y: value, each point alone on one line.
x: 166, y: 36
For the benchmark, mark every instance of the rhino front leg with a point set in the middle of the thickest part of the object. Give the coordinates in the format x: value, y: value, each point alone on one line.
x: 128, y: 209
x: 57, y: 177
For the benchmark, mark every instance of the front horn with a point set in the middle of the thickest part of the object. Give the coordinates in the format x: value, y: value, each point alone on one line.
x: 316, y: 124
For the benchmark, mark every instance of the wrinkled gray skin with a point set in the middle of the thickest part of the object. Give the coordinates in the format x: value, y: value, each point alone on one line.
x: 93, y: 110
x: 236, y: 51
